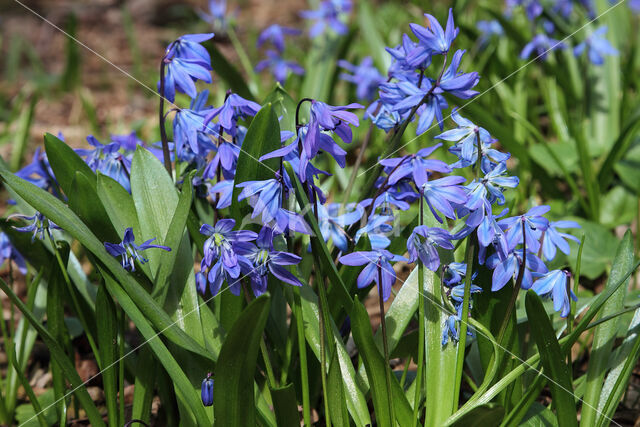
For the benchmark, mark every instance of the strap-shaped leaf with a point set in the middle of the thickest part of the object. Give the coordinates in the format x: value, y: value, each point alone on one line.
x: 65, y: 163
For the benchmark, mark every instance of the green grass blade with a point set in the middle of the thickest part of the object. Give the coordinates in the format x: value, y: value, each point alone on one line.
x: 553, y: 360
x: 22, y: 136
x: 107, y: 326
x: 233, y: 392
x: 605, y: 334
x: 59, y: 355
x: 285, y: 405
x: 337, y: 402
x: 65, y: 163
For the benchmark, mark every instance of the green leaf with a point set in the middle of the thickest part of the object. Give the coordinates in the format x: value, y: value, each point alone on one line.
x: 485, y: 415
x: 118, y: 204
x: 84, y: 201
x: 284, y: 107
x: 263, y: 136
x: 107, y: 338
x: 61, y: 358
x: 599, y: 247
x: 605, y: 334
x: 58, y: 212
x: 370, y: 32
x: 553, y: 360
x: 285, y: 405
x: 321, y: 66
x: 628, y: 169
x: 618, y: 207
x: 375, y: 366
x: 65, y: 163
x: 539, y: 415
x: 619, y: 149
x: 337, y: 403
x: 233, y: 392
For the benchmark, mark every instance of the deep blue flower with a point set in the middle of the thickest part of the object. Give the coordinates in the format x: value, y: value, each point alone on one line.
x: 415, y: 165
x: 457, y: 292
x: 450, y: 330
x: 467, y: 136
x: 509, y: 267
x: 406, y: 59
x: 365, y: 76
x: 39, y: 172
x: 190, y: 132
x: 219, y: 244
x: 376, y: 229
x: 328, y: 118
x: 389, y: 200
x: 129, y: 251
x: 542, y: 44
x: 128, y: 142
x: 534, y: 225
x: 279, y: 67
x: 433, y: 38
x: 329, y: 14
x: 332, y: 222
x: 234, y: 108
x: 186, y: 63
x: 218, y: 273
x: 554, y: 284
x: 405, y: 95
x: 275, y: 34
x: 441, y: 193
x: 374, y: 260
x: 383, y: 116
x: 207, y: 391
x: 555, y: 239
x: 598, y: 47
x: 225, y: 157
x: 39, y: 226
x: 10, y: 253
x: 265, y: 259
x: 490, y: 187
x: 225, y: 191
x: 107, y: 159
x: 422, y: 244
x: 453, y: 273
x: 456, y: 82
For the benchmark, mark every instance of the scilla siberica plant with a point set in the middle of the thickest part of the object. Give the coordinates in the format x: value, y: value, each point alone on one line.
x: 259, y: 173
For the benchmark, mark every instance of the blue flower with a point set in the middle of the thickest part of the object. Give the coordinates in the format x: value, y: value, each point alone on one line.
x: 450, y: 330
x: 441, y: 193
x: 488, y: 29
x: 129, y: 251
x: 554, y: 284
x: 534, y: 225
x: 389, y: 199
x: 382, y: 115
x: 555, y: 239
x: 405, y: 95
x: 190, y: 133
x: 598, y: 47
x: 467, y: 136
x: 329, y: 14
x: 186, y: 63
x: 456, y: 82
x: 39, y: 226
x: 39, y: 172
x: 234, y: 108
x: 265, y: 259
x: 376, y: 230
x: 417, y: 165
x: 490, y: 187
x: 542, y: 44
x: 279, y: 67
x: 216, y: 16
x: 275, y: 34
x: 107, y: 159
x: 453, y: 273
x: 328, y: 118
x: 9, y: 252
x: 532, y: 8
x: 509, y: 267
x: 332, y: 222
x: 365, y: 76
x: 433, y: 38
x: 422, y: 244
x: 457, y: 292
x: 219, y: 244
x: 207, y: 391
x: 374, y: 260
x: 407, y: 57
x: 225, y: 189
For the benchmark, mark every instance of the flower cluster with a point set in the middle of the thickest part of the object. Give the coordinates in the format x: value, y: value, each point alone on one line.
x: 275, y: 63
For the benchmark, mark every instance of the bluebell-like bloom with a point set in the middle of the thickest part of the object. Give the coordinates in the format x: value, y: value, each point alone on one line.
x: 488, y: 30
x: 216, y: 15
x: 490, y: 187
x: 332, y: 223
x: 597, y: 47
x: 206, y: 392
x: 422, y: 244
x: 458, y: 83
x: 279, y: 67
x: 365, y: 76
x: 129, y: 251
x: 265, y: 259
x: 219, y: 244
x: 441, y: 193
x: 389, y: 200
x: 450, y: 330
x: 406, y: 59
x: 433, y: 38
x: 490, y: 156
x: 489, y: 231
x: 128, y: 142
x: 234, y: 108
x: 383, y: 116
x: 415, y: 165
x: 534, y: 225
x: 186, y: 63
x: 329, y: 118
x: 329, y: 14
x: 457, y: 292
x: 218, y: 273
x: 467, y: 136
x: 542, y: 45
x: 405, y: 95
x: 453, y: 273
x: 275, y: 34
x: 376, y: 229
x: 225, y: 191
x: 107, y: 159
x: 554, y: 284
x: 509, y: 267
x: 553, y: 239
x: 39, y: 225
x: 39, y: 172
x: 10, y: 253
x: 190, y: 132
x: 374, y: 261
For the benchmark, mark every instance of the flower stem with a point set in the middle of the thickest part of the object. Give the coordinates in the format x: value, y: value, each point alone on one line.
x: 385, y: 345
x: 302, y: 354
x: 472, y: 243
x: 421, y: 327
x: 163, y: 131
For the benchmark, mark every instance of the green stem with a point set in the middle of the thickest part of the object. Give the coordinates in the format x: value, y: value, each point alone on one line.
x: 421, y: 326
x: 302, y: 351
x: 121, y: 321
x: 323, y: 351
x: 472, y: 242
x: 576, y: 281
x: 385, y: 345
x: 244, y: 59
